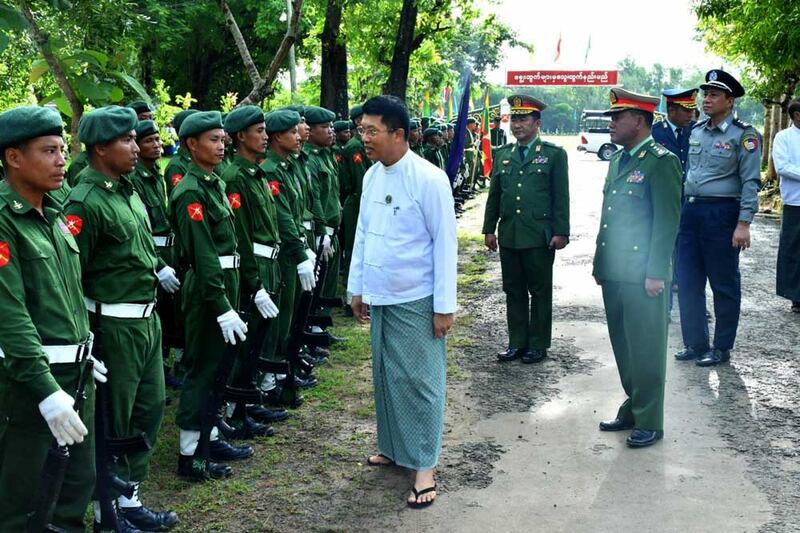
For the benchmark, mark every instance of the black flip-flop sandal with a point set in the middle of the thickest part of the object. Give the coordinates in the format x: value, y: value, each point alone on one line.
x: 376, y: 463
x: 418, y: 504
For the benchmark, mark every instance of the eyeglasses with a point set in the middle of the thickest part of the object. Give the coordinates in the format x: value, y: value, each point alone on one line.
x: 372, y: 132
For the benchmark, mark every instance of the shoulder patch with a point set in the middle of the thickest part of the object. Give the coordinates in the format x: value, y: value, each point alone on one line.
x: 235, y: 200
x: 275, y: 187
x: 5, y: 254
x: 80, y: 192
x: 74, y: 224
x: 750, y: 142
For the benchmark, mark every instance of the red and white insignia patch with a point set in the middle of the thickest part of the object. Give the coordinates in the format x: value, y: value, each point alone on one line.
x: 234, y: 200
x: 274, y: 187
x: 339, y: 158
x: 195, y: 212
x: 176, y: 179
x: 357, y: 159
x: 74, y: 224
x: 5, y: 254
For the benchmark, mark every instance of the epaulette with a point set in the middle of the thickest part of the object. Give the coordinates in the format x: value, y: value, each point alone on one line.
x: 269, y: 166
x: 188, y: 183
x: 551, y: 145
x: 80, y: 192
x: 657, y: 150
x: 699, y: 124
x: 743, y: 125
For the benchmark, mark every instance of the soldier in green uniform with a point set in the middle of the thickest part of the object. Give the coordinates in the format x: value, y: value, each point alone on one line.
x: 76, y: 165
x: 144, y: 111
x: 432, y: 138
x: 177, y: 165
x: 296, y: 264
x: 342, y: 130
x: 146, y: 178
x: 44, y: 333
x: 415, y: 137
x: 529, y: 196
x: 119, y: 265
x: 639, y: 223
x: 258, y: 244
x: 204, y: 230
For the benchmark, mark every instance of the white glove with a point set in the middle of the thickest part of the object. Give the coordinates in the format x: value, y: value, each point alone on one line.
x: 99, y: 370
x: 64, y: 422
x: 169, y: 281
x: 311, y: 255
x: 232, y: 326
x: 327, y: 247
x: 305, y: 271
x: 265, y: 305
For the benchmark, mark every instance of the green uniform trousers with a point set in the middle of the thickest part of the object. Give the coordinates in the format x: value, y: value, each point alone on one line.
x: 637, y: 327
x: 528, y: 284
x: 131, y: 349
x: 331, y: 285
x: 349, y: 221
x: 23, y: 451
x: 169, y: 307
x: 205, y: 346
x: 289, y: 289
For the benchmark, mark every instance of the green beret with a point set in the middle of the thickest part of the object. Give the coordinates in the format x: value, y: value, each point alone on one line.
x: 319, y: 115
x: 356, y: 111
x: 281, y: 120
x: 415, y: 124
x: 300, y: 109
x: 145, y: 128
x: 341, y: 125
x: 106, y: 124
x: 180, y: 116
x: 200, y: 122
x: 242, y: 118
x: 431, y: 131
x: 28, y: 122
x: 140, y: 106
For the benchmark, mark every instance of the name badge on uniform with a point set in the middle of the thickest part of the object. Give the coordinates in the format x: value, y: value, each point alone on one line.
x: 541, y: 160
x: 635, y: 177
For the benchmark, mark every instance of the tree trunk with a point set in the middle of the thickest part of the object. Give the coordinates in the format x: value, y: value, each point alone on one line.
x: 333, y: 79
x: 42, y: 41
x: 775, y: 124
x: 403, y: 47
x: 241, y: 45
x: 767, y: 134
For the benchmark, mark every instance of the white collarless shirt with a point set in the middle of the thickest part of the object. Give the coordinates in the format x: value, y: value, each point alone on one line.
x: 786, y: 157
x: 405, y: 247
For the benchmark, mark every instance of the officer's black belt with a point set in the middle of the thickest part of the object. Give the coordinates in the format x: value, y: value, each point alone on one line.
x: 711, y: 199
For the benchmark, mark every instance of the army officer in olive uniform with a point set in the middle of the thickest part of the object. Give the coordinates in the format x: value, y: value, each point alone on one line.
x: 529, y: 195
x: 632, y: 262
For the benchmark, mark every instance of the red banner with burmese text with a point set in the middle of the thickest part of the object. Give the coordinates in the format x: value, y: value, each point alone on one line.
x: 522, y: 78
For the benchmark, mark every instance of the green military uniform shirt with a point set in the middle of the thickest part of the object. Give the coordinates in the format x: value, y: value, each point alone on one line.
x: 309, y: 187
x: 433, y: 154
x: 327, y: 182
x: 153, y: 191
x: 529, y: 198
x: 285, y: 188
x: 176, y: 168
x: 78, y: 163
x: 354, y: 165
x: 110, y: 224
x: 641, y: 209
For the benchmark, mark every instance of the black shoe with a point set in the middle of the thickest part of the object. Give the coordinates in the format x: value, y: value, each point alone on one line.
x: 265, y: 415
x: 219, y: 450
x: 640, y: 438
x: 534, y: 356
x: 123, y: 526
x: 144, y: 519
x: 689, y: 353
x: 307, y: 382
x: 615, y: 425
x: 197, y: 469
x: 319, y: 352
x: 278, y: 397
x: 244, y: 430
x: 714, y: 357
x: 511, y: 354
x: 335, y: 339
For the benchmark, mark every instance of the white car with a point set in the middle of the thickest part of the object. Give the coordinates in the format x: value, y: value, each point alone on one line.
x: 594, y: 135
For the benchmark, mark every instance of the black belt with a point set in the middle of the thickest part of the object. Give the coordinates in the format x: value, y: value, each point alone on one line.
x: 710, y: 199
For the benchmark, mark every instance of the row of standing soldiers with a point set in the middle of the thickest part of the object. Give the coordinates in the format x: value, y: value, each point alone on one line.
x: 229, y: 259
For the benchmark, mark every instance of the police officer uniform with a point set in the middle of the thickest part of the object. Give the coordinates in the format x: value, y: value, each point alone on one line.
x: 529, y: 197
x: 721, y: 191
x: 641, y: 205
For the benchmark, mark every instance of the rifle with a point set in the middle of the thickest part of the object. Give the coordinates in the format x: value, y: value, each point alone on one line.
x: 108, y: 449
x: 55, y: 468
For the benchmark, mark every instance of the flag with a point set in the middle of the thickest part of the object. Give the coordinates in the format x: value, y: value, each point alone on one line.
x: 558, y: 49
x: 451, y: 105
x: 426, y: 105
x: 588, y: 47
x: 486, y: 139
x: 457, y: 148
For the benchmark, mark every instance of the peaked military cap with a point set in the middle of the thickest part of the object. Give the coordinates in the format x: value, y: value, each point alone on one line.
x: 28, y: 122
x: 145, y: 128
x: 719, y: 79
x: 319, y: 115
x: 356, y: 111
x: 140, y: 106
x: 281, y: 120
x: 522, y: 104
x: 622, y: 100
x: 180, y: 116
x: 200, y: 122
x: 683, y: 97
x: 106, y: 124
x: 242, y: 118
x: 341, y: 125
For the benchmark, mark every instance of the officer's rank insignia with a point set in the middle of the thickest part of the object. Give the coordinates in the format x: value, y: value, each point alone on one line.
x: 541, y: 160
x: 108, y: 184
x: 251, y: 170
x: 17, y: 205
x: 176, y: 179
x: 274, y: 187
x: 234, y: 200
x: 357, y: 159
x: 74, y: 224
x: 195, y: 211
x: 283, y: 164
x: 642, y: 154
x: 635, y: 177
x: 5, y: 254
x: 505, y: 161
x: 750, y: 143
x: 538, y: 147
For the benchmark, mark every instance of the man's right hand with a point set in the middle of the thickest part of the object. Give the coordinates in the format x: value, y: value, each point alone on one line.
x: 360, y: 309
x: 490, y: 240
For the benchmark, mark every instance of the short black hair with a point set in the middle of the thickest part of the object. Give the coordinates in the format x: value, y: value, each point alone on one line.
x: 392, y: 110
x: 21, y: 146
x: 793, y: 108
x: 648, y: 117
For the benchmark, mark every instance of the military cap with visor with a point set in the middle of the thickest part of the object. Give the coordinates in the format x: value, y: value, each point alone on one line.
x: 242, y: 118
x: 719, y: 79
x: 28, y: 122
x: 622, y: 100
x: 106, y: 124
x: 522, y: 104
x: 686, y: 98
x: 319, y: 115
x: 281, y: 120
x: 201, y: 122
x: 145, y: 128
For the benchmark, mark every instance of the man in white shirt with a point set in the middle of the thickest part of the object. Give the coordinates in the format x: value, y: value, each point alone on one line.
x: 403, y: 270
x: 786, y: 157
